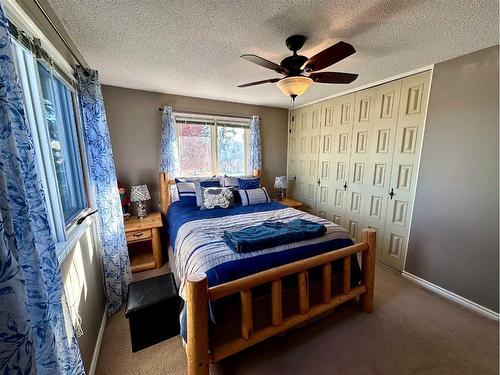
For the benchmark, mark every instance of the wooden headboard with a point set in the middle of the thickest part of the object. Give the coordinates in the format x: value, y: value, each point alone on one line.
x: 166, y: 182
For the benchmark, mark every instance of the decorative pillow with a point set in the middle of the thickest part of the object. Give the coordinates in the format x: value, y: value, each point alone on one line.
x: 186, y: 191
x: 228, y: 181
x: 216, y: 197
x: 199, y: 184
x: 254, y: 196
x: 174, y: 194
x: 249, y: 183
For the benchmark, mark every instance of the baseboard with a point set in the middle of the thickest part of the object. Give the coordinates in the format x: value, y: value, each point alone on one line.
x: 452, y: 296
x: 97, y: 348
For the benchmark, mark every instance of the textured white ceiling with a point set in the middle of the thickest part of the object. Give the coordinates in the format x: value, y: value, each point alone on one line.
x: 193, y: 47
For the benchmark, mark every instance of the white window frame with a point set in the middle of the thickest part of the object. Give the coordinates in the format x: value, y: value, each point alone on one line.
x: 213, y: 122
x: 64, y: 235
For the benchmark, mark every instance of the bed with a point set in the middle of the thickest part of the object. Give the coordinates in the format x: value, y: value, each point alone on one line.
x: 258, y: 287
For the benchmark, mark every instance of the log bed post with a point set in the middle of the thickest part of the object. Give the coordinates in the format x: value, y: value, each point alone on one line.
x: 164, y: 192
x: 197, y: 324
x: 368, y: 269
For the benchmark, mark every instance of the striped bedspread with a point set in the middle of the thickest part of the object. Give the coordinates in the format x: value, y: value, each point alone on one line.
x: 200, y: 247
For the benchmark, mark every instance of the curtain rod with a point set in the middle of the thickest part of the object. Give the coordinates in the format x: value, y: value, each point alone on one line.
x: 56, y: 29
x: 206, y: 114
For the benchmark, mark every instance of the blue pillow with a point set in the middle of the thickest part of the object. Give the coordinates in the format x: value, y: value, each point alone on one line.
x: 254, y: 196
x: 187, y: 192
x: 249, y: 183
x: 199, y: 184
x: 229, y: 181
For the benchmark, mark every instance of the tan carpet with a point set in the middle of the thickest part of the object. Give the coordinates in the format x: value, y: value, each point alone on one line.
x: 412, y: 331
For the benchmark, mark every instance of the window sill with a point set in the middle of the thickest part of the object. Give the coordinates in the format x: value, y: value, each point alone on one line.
x: 74, y: 233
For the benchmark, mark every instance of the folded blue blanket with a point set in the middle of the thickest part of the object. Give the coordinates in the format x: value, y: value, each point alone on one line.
x: 272, y: 234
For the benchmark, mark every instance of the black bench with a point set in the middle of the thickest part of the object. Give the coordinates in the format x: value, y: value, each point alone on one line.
x: 153, y: 307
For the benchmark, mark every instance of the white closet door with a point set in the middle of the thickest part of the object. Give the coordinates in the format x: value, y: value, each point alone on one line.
x: 343, y: 119
x: 365, y: 105
x: 409, y: 135
x: 292, y: 152
x: 381, y: 138
x: 325, y: 193
x: 309, y: 133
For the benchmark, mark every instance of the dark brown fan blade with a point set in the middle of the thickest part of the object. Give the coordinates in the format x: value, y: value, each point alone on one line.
x: 333, y: 77
x: 265, y: 63
x: 272, y: 80
x: 329, y: 56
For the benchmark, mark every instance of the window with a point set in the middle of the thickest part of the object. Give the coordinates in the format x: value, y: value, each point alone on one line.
x: 52, y: 113
x: 63, y: 140
x: 231, y: 146
x: 195, y: 148
x: 210, y: 146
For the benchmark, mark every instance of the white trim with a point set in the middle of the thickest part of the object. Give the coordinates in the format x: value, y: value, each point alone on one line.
x: 452, y: 296
x: 182, y: 118
x: 368, y: 85
x: 97, y: 348
x: 73, y: 235
x: 21, y: 19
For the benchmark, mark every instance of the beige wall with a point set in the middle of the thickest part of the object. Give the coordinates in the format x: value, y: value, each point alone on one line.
x: 134, y: 123
x: 82, y: 279
x: 454, y: 233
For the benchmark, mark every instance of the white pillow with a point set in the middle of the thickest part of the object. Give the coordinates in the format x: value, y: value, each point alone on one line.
x: 254, y: 196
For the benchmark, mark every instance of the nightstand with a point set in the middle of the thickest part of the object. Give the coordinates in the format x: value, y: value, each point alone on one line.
x: 292, y: 203
x: 138, y: 232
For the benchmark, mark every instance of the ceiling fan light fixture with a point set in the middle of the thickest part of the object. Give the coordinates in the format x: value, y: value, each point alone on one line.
x: 294, y: 86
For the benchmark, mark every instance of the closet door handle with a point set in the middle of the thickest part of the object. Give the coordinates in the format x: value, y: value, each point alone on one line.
x: 391, y: 194
x: 319, y: 181
x: 345, y: 186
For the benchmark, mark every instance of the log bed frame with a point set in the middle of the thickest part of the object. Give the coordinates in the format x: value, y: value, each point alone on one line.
x: 199, y: 351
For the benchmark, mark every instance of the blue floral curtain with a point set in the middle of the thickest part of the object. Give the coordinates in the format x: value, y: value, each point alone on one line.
x: 255, y: 157
x: 168, y: 146
x: 33, y: 336
x: 116, y: 263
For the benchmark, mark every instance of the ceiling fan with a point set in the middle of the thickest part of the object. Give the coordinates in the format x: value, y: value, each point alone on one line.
x: 295, y: 67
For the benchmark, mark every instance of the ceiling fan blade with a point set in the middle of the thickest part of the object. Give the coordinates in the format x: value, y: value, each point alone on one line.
x: 265, y: 63
x: 272, y: 80
x: 333, y: 77
x: 329, y: 56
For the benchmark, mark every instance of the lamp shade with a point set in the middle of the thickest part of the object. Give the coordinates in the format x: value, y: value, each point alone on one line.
x: 280, y: 182
x: 139, y: 193
x: 294, y: 86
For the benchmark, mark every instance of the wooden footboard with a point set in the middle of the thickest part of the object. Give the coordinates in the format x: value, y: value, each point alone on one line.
x: 200, y: 353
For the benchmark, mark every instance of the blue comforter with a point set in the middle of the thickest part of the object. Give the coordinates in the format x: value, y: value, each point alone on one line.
x: 196, y: 237
x: 179, y: 215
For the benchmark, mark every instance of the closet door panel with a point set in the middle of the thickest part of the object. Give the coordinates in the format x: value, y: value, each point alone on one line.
x: 309, y: 139
x: 361, y: 151
x: 293, y: 153
x: 343, y: 119
x: 300, y: 166
x: 382, y: 135
x: 325, y: 193
x: 408, y: 142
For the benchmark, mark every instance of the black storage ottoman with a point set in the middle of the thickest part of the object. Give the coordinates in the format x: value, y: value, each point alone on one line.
x: 153, y: 307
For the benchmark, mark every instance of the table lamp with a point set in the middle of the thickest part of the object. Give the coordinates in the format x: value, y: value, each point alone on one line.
x: 139, y: 194
x: 280, y: 184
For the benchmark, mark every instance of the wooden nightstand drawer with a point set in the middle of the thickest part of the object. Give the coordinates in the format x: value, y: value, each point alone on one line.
x: 145, y: 230
x: 139, y: 235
